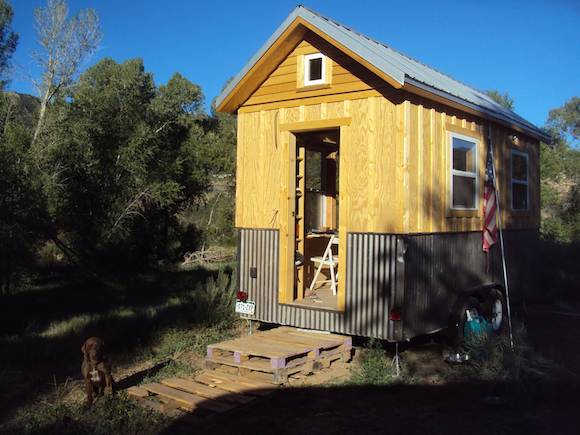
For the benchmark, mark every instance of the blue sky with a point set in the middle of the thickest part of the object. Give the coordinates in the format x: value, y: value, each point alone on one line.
x: 530, y: 48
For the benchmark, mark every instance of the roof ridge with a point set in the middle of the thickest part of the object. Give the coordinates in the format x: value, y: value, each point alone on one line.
x: 389, y: 47
x: 399, y: 67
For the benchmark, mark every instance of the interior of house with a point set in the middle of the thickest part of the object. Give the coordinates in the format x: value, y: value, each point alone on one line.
x: 316, y: 219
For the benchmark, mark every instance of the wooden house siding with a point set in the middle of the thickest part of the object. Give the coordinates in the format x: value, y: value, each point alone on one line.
x: 283, y: 84
x: 394, y: 166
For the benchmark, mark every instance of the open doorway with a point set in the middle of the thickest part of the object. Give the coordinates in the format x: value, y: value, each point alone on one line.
x: 316, y: 219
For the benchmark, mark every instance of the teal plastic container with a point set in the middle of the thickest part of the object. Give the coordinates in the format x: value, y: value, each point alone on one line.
x: 477, y: 327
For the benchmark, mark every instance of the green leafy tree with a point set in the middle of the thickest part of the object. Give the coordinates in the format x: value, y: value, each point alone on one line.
x: 503, y: 99
x: 8, y: 40
x: 560, y: 164
x: 122, y: 158
x: 565, y: 120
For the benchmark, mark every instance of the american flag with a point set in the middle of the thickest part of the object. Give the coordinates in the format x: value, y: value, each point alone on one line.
x: 489, y: 207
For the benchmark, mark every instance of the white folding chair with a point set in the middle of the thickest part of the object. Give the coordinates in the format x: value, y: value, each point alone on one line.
x: 327, y: 260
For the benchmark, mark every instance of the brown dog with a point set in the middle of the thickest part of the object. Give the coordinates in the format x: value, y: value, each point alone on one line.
x: 96, y: 369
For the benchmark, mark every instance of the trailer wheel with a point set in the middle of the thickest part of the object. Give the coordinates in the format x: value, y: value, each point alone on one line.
x: 497, y: 311
x: 474, y: 307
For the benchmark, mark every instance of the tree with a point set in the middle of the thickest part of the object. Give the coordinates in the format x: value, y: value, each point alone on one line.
x: 503, y: 99
x: 65, y: 43
x: 128, y: 156
x: 13, y: 187
x: 8, y: 40
x: 565, y: 120
x: 560, y: 163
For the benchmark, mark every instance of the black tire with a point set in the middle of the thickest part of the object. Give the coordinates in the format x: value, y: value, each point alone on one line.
x: 469, y: 303
x: 496, y: 302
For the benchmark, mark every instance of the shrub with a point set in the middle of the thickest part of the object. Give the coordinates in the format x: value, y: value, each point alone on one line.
x: 375, y: 366
x: 492, y: 359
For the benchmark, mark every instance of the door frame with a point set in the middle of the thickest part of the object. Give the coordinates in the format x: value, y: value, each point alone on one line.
x: 287, y: 133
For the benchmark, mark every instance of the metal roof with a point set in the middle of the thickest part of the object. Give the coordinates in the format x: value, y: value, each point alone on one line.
x: 396, y: 65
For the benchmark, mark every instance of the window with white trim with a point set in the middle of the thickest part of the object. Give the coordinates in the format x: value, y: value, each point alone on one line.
x: 314, y: 69
x: 463, y: 182
x: 519, y: 181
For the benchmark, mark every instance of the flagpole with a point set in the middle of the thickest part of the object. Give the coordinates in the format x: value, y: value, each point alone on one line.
x: 498, y: 216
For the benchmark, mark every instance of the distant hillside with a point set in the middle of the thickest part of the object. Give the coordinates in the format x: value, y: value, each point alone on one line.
x: 23, y: 108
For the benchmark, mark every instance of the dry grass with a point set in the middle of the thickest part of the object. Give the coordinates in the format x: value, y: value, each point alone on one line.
x: 143, y: 321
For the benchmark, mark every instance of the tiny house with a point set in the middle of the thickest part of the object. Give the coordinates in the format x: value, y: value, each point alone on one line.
x: 360, y: 176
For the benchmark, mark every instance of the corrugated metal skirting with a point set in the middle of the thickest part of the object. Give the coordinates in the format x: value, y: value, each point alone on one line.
x: 370, y: 275
x: 421, y: 274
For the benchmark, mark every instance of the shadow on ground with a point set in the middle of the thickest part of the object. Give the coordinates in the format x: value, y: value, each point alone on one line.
x: 42, y: 328
x: 478, y: 408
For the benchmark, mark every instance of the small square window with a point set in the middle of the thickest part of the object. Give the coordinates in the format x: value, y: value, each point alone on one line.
x: 314, y: 69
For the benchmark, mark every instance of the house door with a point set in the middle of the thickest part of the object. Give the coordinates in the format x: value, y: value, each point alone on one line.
x: 312, y: 263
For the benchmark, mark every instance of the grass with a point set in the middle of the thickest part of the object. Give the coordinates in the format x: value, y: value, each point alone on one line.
x: 153, y: 317
x: 493, y: 360
x: 375, y: 367
x: 143, y: 318
x: 106, y: 416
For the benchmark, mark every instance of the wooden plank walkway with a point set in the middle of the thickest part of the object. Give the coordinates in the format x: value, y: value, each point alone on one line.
x: 241, y: 370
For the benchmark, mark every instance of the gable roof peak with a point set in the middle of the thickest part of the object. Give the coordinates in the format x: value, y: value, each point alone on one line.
x: 395, y: 67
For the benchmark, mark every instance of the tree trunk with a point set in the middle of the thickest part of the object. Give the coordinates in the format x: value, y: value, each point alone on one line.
x: 41, y: 116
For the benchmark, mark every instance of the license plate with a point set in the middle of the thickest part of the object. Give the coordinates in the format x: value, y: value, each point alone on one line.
x: 247, y: 307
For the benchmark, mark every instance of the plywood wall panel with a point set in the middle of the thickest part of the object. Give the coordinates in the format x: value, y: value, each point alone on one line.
x: 394, y: 166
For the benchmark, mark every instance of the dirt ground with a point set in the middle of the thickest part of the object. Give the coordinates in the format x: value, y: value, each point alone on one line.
x: 431, y: 405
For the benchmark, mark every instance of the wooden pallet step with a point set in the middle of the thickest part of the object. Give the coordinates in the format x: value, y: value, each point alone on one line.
x: 262, y: 346
x: 318, y: 335
x: 187, y: 401
x: 202, y: 390
x: 262, y: 378
x: 315, y: 337
x: 311, y: 341
x: 258, y: 356
x: 328, y: 345
x: 253, y: 365
x: 322, y: 337
x: 319, y: 348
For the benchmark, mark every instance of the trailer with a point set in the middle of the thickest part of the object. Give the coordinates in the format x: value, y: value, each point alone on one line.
x: 359, y: 184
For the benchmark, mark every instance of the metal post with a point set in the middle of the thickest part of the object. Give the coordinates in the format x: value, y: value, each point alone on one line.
x: 396, y: 359
x: 499, y: 226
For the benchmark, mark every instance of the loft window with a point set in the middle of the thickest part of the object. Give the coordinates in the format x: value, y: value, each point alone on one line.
x: 519, y: 183
x: 314, y: 69
x: 463, y: 172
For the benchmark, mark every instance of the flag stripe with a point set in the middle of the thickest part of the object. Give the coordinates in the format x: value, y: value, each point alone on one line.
x: 489, y: 233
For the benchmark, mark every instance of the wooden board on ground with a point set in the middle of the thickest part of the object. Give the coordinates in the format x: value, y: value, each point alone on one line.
x: 137, y: 392
x: 235, y: 384
x: 240, y: 370
x: 187, y: 401
x: 202, y: 390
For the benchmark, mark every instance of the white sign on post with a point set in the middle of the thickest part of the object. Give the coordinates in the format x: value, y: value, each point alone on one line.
x: 247, y: 307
